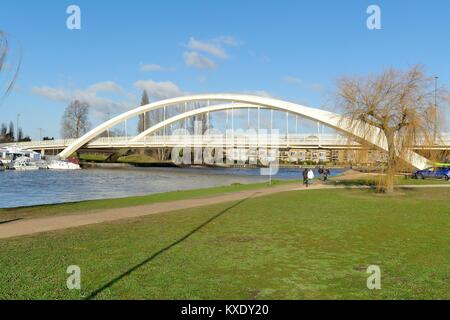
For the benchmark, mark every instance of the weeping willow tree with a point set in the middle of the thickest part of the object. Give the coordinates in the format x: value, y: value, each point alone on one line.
x: 10, y: 61
x: 397, y: 109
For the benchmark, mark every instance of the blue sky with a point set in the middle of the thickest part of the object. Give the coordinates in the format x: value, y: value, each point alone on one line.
x: 294, y: 50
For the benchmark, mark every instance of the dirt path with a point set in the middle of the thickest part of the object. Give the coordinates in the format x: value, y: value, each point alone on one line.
x: 37, y: 225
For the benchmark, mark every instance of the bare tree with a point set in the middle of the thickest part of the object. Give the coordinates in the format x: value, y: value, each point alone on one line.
x: 401, y: 104
x: 11, y: 131
x: 144, y: 119
x: 75, y: 121
x: 9, y: 67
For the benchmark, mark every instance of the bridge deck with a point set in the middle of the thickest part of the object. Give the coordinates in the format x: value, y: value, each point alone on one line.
x: 238, y: 141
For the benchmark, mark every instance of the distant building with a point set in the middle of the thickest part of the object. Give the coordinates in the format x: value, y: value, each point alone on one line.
x: 335, y: 156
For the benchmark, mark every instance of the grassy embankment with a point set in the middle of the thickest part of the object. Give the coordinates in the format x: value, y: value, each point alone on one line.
x: 374, y: 179
x: 93, y: 157
x: 131, y: 159
x: 293, y: 245
x: 91, y: 205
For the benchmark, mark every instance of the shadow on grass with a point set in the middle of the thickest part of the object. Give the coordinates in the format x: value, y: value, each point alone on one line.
x: 8, y: 221
x: 354, y: 182
x: 155, y: 255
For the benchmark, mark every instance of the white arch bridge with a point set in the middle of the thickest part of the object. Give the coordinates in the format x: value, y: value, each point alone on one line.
x: 220, y: 102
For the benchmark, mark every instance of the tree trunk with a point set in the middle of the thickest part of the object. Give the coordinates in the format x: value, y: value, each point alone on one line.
x: 390, y: 178
x: 391, y: 164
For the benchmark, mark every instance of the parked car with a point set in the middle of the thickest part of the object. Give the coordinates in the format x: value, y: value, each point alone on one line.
x: 433, y: 172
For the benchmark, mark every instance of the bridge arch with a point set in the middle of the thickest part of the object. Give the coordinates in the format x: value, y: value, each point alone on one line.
x: 192, y: 113
x: 327, y: 118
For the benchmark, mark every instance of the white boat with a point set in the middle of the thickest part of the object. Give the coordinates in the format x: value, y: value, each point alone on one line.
x: 63, y: 165
x: 24, y: 164
x: 11, y: 153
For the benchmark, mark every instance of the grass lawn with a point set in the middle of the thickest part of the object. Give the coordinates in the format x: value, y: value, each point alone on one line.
x: 374, y: 180
x: 138, y: 159
x: 93, y: 157
x: 294, y: 245
x: 88, y: 206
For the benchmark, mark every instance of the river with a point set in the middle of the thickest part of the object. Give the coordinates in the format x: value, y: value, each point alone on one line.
x: 26, y: 188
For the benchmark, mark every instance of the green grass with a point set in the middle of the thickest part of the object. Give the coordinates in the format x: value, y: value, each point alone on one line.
x: 93, y: 157
x: 137, y: 158
x: 294, y: 245
x: 399, y: 181
x: 92, y: 205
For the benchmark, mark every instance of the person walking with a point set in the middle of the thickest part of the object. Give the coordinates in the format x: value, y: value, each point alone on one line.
x: 321, y: 172
x: 310, y: 175
x: 305, y: 177
x: 326, y: 173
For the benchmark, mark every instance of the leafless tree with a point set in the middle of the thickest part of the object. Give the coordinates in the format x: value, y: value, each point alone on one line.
x: 144, y: 119
x: 75, y: 121
x: 403, y: 105
x: 9, y: 65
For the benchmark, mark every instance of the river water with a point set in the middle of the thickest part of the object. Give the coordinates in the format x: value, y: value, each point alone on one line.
x: 21, y: 188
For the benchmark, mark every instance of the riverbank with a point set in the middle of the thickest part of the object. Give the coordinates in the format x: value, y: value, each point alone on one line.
x: 314, y: 244
x: 19, y: 213
x: 347, y: 178
x: 19, y: 226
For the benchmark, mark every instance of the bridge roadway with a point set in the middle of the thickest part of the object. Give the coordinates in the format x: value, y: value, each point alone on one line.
x: 325, y: 141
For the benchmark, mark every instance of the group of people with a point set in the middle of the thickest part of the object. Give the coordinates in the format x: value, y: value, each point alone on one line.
x: 308, y: 175
x: 324, y: 173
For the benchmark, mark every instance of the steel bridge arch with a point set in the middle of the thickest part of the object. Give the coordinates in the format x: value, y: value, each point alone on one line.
x: 370, y: 134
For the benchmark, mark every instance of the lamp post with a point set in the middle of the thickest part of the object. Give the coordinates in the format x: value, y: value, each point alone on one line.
x: 435, y: 110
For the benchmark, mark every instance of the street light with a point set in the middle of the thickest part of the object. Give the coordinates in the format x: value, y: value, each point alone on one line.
x: 435, y: 109
x: 40, y: 133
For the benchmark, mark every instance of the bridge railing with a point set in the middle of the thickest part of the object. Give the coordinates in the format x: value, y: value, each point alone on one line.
x: 240, y: 139
x: 36, y: 143
x: 233, y: 139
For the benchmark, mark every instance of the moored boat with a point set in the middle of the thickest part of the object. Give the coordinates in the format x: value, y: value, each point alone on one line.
x: 63, y: 165
x: 24, y: 164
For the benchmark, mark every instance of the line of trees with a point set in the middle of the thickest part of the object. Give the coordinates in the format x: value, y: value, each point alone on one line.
x: 8, y: 134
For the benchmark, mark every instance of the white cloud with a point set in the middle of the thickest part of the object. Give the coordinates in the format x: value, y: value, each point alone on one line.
x: 214, y: 48
x: 100, y: 106
x: 293, y: 80
x: 54, y: 94
x: 154, y: 68
x: 207, y: 47
x: 107, y: 86
x: 159, y: 90
x: 227, y: 40
x: 302, y: 84
x: 196, y: 60
x: 103, y: 106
